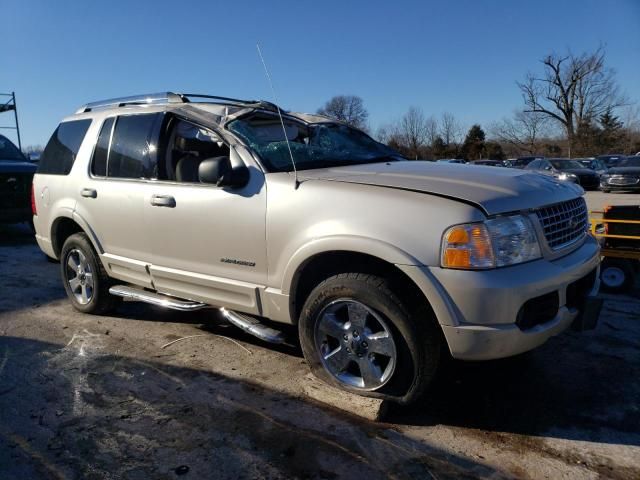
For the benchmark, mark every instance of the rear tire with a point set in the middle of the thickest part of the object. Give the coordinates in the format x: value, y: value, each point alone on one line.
x: 84, y: 278
x: 358, y: 335
x: 616, y: 275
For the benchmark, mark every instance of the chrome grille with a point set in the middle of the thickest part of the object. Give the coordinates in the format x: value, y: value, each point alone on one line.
x: 564, y: 223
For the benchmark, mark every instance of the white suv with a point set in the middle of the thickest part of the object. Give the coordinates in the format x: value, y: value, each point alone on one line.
x: 272, y: 216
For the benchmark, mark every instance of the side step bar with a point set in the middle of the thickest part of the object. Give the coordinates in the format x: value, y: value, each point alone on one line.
x: 153, y: 298
x: 253, y: 326
x: 247, y: 323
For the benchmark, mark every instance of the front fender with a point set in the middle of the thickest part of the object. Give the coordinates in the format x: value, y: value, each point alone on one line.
x: 343, y: 243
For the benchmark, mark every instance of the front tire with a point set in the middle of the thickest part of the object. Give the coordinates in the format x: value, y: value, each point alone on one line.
x: 84, y: 278
x: 616, y: 275
x: 358, y: 335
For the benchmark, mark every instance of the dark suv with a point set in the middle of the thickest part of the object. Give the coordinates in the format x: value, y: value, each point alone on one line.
x: 16, y: 175
x: 567, y: 170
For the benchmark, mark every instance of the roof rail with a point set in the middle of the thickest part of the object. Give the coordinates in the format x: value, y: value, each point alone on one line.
x: 164, y: 98
x: 232, y: 101
x: 145, y: 99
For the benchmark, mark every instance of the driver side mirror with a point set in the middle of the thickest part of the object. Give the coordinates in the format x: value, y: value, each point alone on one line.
x: 220, y: 172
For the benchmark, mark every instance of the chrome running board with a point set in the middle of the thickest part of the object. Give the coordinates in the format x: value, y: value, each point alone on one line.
x: 253, y: 326
x: 153, y: 298
x: 247, y: 323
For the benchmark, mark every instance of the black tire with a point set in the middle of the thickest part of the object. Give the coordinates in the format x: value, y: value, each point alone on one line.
x: 416, y: 336
x: 100, y: 301
x: 604, y: 190
x: 616, y: 275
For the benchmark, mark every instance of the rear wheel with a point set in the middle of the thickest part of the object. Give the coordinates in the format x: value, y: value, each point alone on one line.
x: 357, y: 334
x: 616, y: 275
x: 84, y: 278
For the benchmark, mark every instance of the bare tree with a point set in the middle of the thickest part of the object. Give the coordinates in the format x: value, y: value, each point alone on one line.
x: 450, y: 129
x: 523, y: 131
x: 412, y: 131
x: 346, y: 108
x: 432, y: 130
x: 573, y: 90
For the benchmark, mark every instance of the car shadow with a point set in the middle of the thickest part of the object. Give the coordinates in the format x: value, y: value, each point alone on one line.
x: 16, y: 234
x: 80, y: 411
x: 578, y: 386
x: 210, y: 321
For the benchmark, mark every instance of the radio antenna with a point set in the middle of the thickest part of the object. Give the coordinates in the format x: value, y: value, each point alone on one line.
x: 284, y: 130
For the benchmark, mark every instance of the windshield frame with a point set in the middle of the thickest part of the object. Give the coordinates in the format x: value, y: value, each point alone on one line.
x: 386, y: 153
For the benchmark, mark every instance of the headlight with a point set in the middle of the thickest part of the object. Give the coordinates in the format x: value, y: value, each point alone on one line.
x: 566, y: 176
x: 497, y: 242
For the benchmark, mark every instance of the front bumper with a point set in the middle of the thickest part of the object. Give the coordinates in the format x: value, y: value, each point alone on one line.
x: 486, y: 304
x: 620, y: 182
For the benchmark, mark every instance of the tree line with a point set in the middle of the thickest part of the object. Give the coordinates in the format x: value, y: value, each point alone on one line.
x: 572, y: 106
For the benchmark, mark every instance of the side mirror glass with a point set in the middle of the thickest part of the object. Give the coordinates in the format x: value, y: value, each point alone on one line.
x: 218, y: 171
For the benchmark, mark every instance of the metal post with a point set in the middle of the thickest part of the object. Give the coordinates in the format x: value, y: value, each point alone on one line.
x: 15, y: 113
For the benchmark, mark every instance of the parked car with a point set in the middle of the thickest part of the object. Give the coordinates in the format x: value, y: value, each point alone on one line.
x: 382, y: 264
x: 521, y: 162
x: 567, y: 170
x: 451, y: 160
x: 594, y: 164
x: 625, y: 175
x: 611, y: 160
x: 489, y: 163
x: 16, y: 174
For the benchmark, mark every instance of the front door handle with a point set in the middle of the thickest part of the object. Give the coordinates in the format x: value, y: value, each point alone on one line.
x: 89, y: 193
x: 163, y: 201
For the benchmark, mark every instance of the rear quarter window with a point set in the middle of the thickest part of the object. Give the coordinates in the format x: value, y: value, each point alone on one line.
x: 61, y: 151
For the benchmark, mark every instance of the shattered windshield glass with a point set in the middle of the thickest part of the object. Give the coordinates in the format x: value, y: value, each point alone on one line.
x: 317, y: 145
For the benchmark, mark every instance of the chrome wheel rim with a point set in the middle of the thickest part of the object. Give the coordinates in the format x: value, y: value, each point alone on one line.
x: 79, y: 276
x: 613, y: 277
x: 355, y: 345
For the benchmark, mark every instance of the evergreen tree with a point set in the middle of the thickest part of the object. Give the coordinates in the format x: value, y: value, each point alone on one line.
x: 473, y: 146
x: 611, y: 133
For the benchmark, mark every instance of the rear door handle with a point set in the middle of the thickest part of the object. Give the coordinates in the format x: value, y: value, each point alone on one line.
x: 163, y: 201
x: 89, y: 193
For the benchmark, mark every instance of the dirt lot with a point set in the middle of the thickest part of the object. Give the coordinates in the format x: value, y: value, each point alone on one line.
x: 99, y: 397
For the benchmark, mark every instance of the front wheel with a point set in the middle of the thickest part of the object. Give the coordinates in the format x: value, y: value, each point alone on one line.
x: 85, y: 280
x: 358, y: 335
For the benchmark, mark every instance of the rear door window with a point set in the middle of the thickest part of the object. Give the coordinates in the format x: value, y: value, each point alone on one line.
x: 133, y: 150
x: 61, y: 151
x: 127, y: 147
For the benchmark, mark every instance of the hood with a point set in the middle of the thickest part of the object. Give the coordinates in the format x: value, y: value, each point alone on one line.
x: 624, y: 171
x: 580, y: 172
x: 493, y: 190
x: 17, y: 166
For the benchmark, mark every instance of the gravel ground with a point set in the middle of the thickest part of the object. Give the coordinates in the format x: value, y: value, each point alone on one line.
x: 104, y: 397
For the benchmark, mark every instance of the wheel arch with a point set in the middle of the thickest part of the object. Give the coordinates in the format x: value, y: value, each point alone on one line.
x: 66, y: 225
x: 324, y: 264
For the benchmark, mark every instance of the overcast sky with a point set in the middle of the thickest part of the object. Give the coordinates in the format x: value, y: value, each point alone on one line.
x: 457, y: 56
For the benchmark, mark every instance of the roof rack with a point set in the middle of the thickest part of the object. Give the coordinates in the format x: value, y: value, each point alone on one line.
x: 164, y: 98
